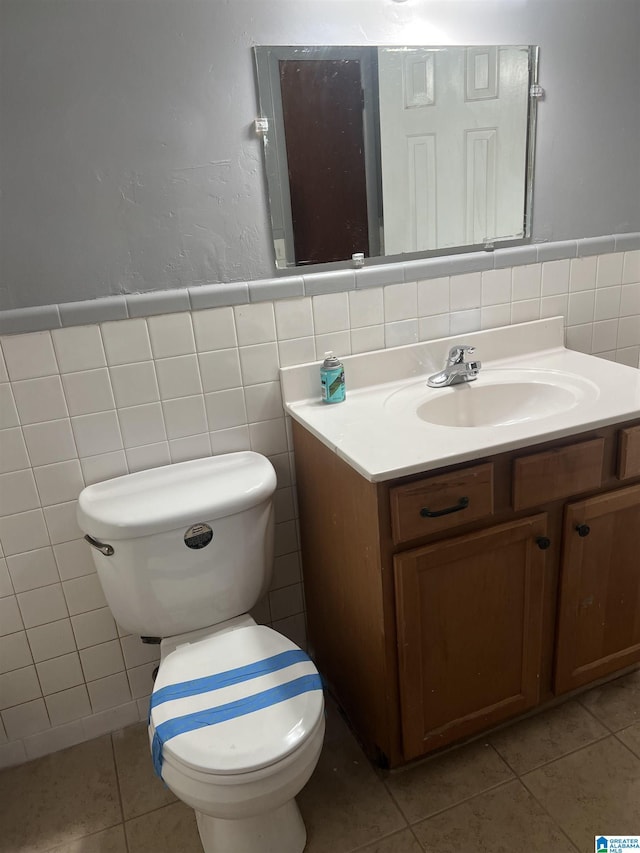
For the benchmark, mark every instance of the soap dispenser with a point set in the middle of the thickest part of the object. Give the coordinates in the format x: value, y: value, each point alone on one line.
x: 332, y: 379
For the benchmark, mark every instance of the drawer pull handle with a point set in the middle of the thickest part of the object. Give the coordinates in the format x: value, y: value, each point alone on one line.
x: 425, y: 512
x: 583, y: 529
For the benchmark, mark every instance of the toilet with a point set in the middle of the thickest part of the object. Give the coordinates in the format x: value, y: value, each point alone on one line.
x: 236, y: 719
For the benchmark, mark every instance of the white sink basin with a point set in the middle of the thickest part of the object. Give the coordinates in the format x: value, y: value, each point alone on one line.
x: 496, y: 398
x: 531, y: 389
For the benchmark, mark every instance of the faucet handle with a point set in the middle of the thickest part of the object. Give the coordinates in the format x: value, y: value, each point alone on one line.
x: 458, y: 352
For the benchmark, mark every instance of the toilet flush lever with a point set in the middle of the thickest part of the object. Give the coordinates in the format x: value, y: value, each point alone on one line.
x: 105, y: 549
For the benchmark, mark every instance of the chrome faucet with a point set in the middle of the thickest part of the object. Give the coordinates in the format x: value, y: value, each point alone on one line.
x: 456, y: 369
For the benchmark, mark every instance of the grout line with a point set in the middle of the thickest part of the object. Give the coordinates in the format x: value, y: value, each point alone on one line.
x: 465, y: 800
x: 626, y: 746
x: 378, y: 839
x: 64, y: 845
x: 557, y: 757
x: 157, y: 809
x: 590, y: 712
x: 517, y: 780
x: 416, y: 839
x: 550, y: 816
x: 555, y: 760
x: 459, y: 802
x: 115, y: 765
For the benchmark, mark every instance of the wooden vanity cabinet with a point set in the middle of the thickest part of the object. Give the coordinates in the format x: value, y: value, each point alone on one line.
x: 599, y: 610
x: 629, y: 453
x: 469, y: 622
x: 431, y: 627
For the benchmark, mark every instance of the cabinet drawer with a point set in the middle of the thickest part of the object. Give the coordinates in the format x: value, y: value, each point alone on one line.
x: 629, y: 453
x: 440, y: 503
x: 558, y: 473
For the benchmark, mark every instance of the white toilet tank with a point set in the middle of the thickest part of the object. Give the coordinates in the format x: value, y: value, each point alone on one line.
x: 192, y: 542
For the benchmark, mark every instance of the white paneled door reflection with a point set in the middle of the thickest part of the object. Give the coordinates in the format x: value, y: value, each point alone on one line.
x: 453, y: 127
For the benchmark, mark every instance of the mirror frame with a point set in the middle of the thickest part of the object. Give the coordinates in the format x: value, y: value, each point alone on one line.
x: 274, y: 151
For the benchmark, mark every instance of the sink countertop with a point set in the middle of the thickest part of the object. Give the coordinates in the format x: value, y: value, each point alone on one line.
x: 382, y: 441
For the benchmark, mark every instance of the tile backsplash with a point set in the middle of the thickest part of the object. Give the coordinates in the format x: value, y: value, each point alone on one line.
x: 83, y: 403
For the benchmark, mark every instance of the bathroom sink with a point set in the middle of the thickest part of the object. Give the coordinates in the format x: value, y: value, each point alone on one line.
x: 496, y: 398
x: 530, y: 389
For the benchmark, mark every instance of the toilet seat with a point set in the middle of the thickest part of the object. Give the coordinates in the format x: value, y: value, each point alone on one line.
x: 234, y: 702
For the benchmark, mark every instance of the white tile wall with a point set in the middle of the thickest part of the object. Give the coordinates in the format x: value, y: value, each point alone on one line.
x: 26, y: 719
x: 631, y: 267
x: 178, y: 376
x: 148, y: 456
x: 465, y: 291
x: 18, y: 686
x: 51, y: 441
x: 30, y: 356
x: 294, y: 318
x: 60, y: 673
x: 215, y: 329
x: 189, y: 447
x: 184, y: 417
x: 67, y: 705
x: 110, y: 692
x: 84, y: 404
x: 255, y: 324
x: 6, y: 588
x: 331, y: 312
x: 10, y: 619
x: 583, y: 273
x: 13, y: 451
x: 50, y: 741
x: 59, y: 482
x: 8, y: 411
x: 32, y: 569
x: 42, y: 605
x: 259, y: 363
x: 93, y: 627
x: 14, y: 652
x: 126, y: 341
x: 102, y: 660
x: 95, y: 469
x: 78, y: 348
x: 171, y: 335
x: 88, y: 391
x: 51, y: 640
x: 142, y: 424
x: 40, y: 400
x: 609, y: 269
x: 400, y: 302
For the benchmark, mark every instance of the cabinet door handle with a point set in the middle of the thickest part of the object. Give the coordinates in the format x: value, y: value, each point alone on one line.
x: 425, y: 512
x: 543, y: 542
x: 583, y: 529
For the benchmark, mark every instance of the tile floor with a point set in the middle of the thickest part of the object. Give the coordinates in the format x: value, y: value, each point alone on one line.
x: 548, y: 784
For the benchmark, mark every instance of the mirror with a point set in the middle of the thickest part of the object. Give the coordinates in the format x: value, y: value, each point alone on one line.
x: 396, y: 151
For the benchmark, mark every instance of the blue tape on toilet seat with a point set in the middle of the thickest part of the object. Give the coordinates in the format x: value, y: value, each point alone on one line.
x: 225, y: 679
x: 231, y: 710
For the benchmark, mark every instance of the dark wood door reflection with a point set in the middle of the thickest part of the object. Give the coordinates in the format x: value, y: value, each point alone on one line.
x: 322, y: 103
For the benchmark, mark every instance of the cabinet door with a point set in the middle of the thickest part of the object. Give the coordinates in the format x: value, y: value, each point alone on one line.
x: 469, y: 615
x: 599, y: 618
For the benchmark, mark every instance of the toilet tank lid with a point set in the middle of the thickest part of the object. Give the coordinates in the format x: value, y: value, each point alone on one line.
x: 175, y: 495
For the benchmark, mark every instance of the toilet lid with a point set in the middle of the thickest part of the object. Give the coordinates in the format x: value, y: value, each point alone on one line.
x: 234, y: 702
